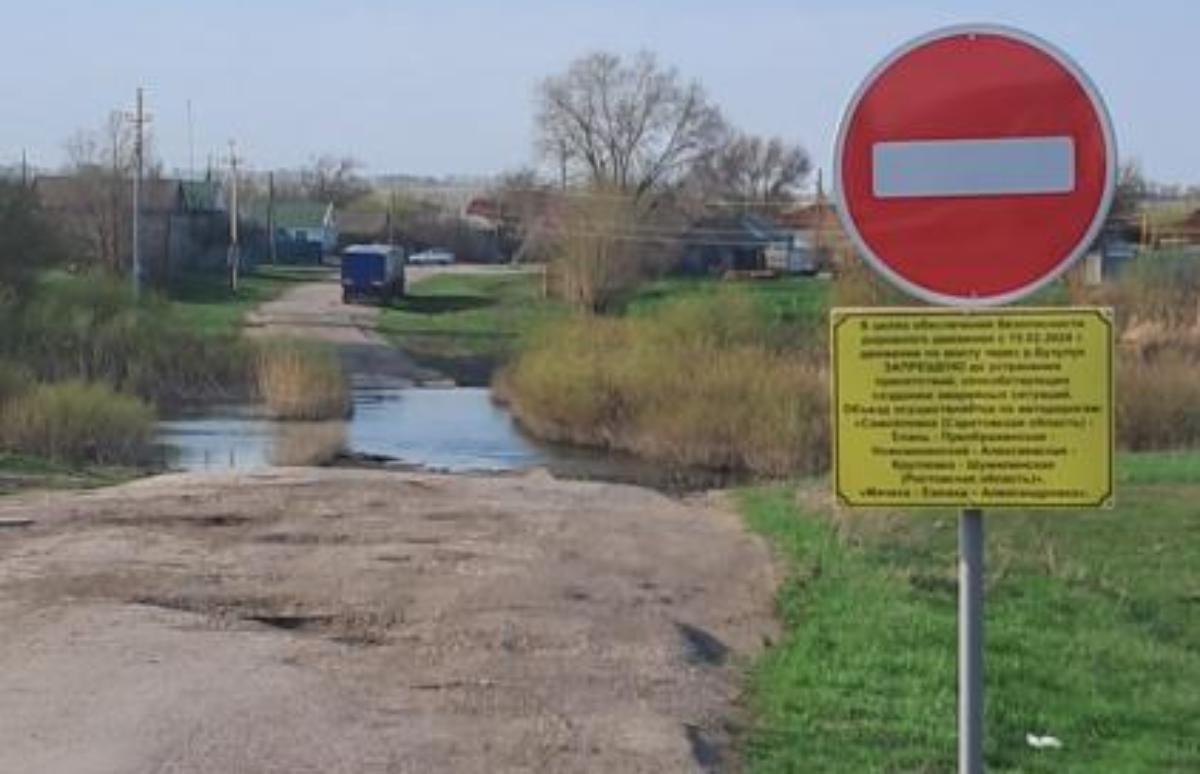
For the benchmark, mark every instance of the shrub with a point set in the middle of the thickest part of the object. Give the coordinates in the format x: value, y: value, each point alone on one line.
x: 1162, y: 286
x: 91, y: 328
x: 694, y: 383
x: 77, y: 422
x: 1158, y: 400
x: 595, y: 262
x: 302, y: 381
x: 15, y: 381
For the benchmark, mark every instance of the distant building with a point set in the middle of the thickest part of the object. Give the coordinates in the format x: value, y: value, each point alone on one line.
x: 744, y: 242
x: 305, y: 231
x: 179, y: 223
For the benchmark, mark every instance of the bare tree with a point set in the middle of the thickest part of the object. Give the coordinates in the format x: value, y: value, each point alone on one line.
x: 754, y: 170
x: 336, y: 180
x: 523, y: 203
x: 98, y: 205
x: 630, y: 126
x: 599, y: 254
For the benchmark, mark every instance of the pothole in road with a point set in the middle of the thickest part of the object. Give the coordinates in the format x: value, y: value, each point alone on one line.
x: 203, y: 521
x: 701, y: 647
x: 301, y: 539
x: 356, y: 627
x: 291, y: 622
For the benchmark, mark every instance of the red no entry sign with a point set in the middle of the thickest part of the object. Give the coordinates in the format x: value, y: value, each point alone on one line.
x: 974, y: 165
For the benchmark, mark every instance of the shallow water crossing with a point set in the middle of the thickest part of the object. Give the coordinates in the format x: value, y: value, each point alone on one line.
x: 453, y: 429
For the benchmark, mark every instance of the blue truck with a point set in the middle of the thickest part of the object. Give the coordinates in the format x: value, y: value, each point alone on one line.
x: 372, y: 272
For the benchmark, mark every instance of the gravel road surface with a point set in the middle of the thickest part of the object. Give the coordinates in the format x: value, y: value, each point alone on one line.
x: 323, y: 620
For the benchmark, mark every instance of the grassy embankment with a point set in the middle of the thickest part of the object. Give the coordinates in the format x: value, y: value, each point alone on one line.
x: 733, y: 376
x: 1093, y: 634
x: 467, y: 325
x: 693, y: 373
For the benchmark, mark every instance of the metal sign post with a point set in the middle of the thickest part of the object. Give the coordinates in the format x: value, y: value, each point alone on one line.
x: 973, y: 166
x: 970, y: 641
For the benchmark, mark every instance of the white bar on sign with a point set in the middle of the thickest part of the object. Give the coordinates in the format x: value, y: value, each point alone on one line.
x: 1000, y: 167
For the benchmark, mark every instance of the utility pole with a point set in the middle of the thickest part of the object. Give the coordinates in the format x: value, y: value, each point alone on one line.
x: 139, y: 122
x: 271, y: 215
x: 234, y: 258
x: 819, y: 224
x: 24, y: 169
x: 191, y: 144
x: 391, y: 217
x: 562, y: 164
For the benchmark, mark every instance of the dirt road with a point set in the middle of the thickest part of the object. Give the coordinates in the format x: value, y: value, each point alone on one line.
x: 314, y: 311
x: 314, y: 620
x: 323, y: 620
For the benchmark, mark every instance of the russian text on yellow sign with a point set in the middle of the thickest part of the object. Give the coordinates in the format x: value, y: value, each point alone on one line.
x: 1007, y: 408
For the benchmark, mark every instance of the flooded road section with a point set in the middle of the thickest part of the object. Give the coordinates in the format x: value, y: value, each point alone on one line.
x: 404, y: 415
x: 444, y: 429
x: 449, y: 429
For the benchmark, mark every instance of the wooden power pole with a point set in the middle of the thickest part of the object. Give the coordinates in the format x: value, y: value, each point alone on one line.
x: 271, y: 215
x: 234, y: 258
x: 139, y: 123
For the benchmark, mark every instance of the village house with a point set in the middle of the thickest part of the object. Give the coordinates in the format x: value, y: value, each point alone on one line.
x: 180, y: 221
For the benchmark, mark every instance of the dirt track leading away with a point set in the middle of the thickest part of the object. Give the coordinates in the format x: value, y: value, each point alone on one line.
x: 311, y: 620
x: 314, y: 311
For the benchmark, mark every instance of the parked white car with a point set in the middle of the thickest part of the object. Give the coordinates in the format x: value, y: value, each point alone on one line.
x: 433, y: 257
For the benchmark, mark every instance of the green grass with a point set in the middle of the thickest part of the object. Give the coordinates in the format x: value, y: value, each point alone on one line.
x: 469, y: 322
x: 791, y: 300
x: 452, y: 319
x: 19, y: 473
x: 1093, y: 634
x: 207, y: 306
x: 1160, y: 467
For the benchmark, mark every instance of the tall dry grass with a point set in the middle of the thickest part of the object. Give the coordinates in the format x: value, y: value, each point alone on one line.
x: 77, y: 422
x: 695, y: 383
x: 1157, y: 301
x: 1158, y: 399
x: 299, y: 381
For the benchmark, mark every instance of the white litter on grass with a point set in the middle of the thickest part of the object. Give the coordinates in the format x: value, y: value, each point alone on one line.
x: 1043, y: 742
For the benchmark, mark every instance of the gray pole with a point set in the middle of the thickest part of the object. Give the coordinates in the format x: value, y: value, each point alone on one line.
x: 191, y: 144
x: 970, y: 642
x: 391, y: 217
x: 271, y: 216
x: 138, y: 120
x: 234, y: 249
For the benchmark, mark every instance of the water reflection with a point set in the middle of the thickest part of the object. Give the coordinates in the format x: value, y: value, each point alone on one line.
x: 307, y: 443
x: 445, y: 428
x: 455, y: 429
x: 450, y: 429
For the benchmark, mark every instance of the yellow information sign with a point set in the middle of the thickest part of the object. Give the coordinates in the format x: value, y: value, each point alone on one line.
x: 1005, y: 408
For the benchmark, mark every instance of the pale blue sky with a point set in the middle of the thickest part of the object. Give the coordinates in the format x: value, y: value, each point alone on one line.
x: 447, y: 87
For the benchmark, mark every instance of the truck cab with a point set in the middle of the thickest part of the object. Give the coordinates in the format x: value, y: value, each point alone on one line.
x: 374, y: 272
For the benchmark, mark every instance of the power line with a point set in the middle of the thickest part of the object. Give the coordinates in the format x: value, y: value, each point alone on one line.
x: 577, y: 193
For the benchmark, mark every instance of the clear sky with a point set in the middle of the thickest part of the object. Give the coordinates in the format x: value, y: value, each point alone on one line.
x: 447, y: 87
